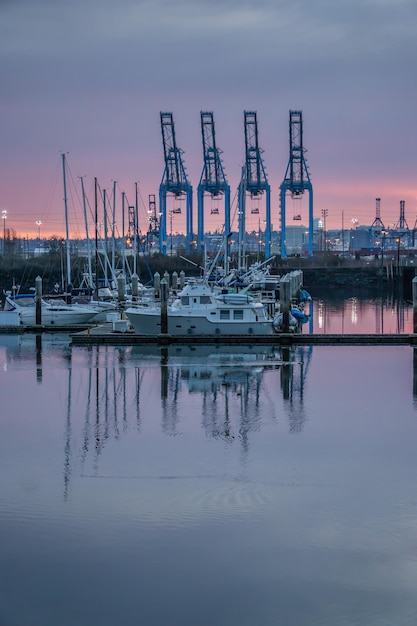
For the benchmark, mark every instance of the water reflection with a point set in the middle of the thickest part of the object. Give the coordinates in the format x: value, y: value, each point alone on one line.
x: 130, y: 470
x: 225, y: 387
x: 106, y: 385
x: 230, y: 392
x: 370, y: 312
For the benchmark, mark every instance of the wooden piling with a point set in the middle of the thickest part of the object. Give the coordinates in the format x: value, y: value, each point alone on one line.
x: 38, y: 300
x: 174, y: 280
x: 414, y: 283
x: 157, y: 284
x: 135, y: 287
x: 284, y: 302
x: 164, y: 307
x: 167, y: 278
x: 121, y: 289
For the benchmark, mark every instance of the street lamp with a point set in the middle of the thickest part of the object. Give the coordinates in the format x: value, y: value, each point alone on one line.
x: 4, y: 218
x: 39, y: 224
x: 171, y: 213
x: 398, y: 241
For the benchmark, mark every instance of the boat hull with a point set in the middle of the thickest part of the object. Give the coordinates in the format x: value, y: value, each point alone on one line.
x: 57, y: 318
x: 147, y: 322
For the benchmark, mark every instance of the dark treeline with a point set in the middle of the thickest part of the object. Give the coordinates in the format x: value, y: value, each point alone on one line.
x: 51, y: 267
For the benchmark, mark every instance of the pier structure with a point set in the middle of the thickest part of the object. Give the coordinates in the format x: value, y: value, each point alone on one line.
x: 213, y: 179
x: 253, y: 183
x: 175, y: 182
x: 296, y: 181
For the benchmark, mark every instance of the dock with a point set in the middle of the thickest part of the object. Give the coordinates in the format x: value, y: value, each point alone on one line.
x: 105, y: 335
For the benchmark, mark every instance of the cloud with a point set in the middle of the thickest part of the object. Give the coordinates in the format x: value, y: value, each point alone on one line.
x: 92, y: 76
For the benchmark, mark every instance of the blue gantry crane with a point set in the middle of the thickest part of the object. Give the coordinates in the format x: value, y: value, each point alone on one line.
x: 253, y: 182
x: 296, y: 179
x: 213, y: 179
x: 174, y: 181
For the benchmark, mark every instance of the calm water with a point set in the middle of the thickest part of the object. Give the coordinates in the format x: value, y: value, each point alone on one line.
x: 372, y: 312
x: 211, y: 487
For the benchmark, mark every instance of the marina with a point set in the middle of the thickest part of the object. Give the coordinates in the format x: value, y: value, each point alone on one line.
x: 208, y: 314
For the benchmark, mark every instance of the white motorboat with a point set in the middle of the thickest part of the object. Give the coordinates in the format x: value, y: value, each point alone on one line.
x: 199, y: 310
x: 57, y: 313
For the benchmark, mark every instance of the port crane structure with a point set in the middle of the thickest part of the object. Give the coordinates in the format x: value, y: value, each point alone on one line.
x: 174, y: 181
x: 402, y: 222
x: 213, y: 179
x: 253, y: 182
x: 296, y: 179
x: 377, y: 225
x: 153, y: 222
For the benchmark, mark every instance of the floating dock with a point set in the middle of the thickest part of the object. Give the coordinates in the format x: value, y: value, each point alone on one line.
x: 105, y: 334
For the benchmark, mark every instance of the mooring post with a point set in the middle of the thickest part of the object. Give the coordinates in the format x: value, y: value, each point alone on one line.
x: 135, y: 287
x: 284, y: 298
x: 415, y: 304
x: 164, y: 307
x: 121, y: 289
x: 182, y: 279
x: 157, y: 284
x: 38, y: 300
x: 174, y: 280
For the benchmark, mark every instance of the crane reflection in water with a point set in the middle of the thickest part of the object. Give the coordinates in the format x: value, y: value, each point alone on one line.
x: 223, y: 388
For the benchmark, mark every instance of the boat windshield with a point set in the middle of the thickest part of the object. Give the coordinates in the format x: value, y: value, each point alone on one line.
x: 22, y: 301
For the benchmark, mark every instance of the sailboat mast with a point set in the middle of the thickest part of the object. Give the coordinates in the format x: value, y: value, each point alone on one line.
x: 96, y: 234
x: 90, y: 271
x: 64, y: 174
x: 113, y: 235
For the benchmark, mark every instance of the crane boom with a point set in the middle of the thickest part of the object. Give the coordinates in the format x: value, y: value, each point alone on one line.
x: 296, y: 179
x: 213, y: 179
x: 253, y: 181
x: 174, y: 181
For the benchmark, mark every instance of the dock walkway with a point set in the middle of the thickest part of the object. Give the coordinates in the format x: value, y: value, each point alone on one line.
x: 106, y: 335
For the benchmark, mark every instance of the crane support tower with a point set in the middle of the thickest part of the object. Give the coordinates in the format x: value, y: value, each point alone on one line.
x: 377, y: 224
x: 296, y: 179
x: 402, y: 222
x: 153, y: 228
x: 213, y: 179
x: 174, y: 181
x: 253, y: 182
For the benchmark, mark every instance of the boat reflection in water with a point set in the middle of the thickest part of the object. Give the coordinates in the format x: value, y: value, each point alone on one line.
x: 229, y: 381
x: 114, y: 390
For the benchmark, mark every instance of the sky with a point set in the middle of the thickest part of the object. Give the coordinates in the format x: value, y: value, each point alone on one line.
x: 89, y: 78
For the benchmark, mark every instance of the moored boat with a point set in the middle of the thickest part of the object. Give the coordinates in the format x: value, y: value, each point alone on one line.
x: 57, y: 313
x: 200, y: 310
